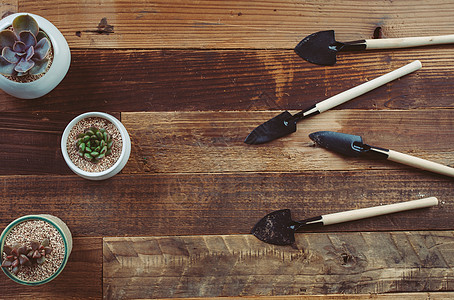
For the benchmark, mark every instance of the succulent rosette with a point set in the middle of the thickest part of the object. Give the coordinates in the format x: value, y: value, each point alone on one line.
x: 24, y: 49
x: 94, y: 144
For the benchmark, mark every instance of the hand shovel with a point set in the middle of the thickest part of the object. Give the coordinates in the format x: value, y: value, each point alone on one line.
x: 284, y: 123
x: 321, y: 47
x: 278, y: 228
x: 352, y: 145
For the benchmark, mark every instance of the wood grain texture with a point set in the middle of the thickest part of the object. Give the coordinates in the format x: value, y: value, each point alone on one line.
x: 193, y: 80
x: 341, y: 263
x: 30, y: 142
x: 213, y: 141
x: 389, y: 296
x: 266, y: 24
x: 193, y: 204
x: 206, y: 142
x: 81, y: 278
x: 8, y: 7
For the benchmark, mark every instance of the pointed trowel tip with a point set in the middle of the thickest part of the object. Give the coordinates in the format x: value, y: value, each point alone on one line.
x: 272, y: 129
x: 251, y: 138
x: 342, y: 143
x: 315, y: 136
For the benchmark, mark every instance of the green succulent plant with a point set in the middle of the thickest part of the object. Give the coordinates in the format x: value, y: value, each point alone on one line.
x: 22, y: 255
x: 94, y: 144
x: 24, y: 49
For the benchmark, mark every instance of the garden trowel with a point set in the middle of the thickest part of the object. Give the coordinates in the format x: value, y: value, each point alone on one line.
x: 278, y: 228
x: 321, y: 47
x: 285, y: 123
x: 352, y: 145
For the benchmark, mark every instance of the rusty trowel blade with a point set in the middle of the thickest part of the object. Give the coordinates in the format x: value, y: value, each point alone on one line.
x: 272, y: 129
x: 318, y: 48
x: 275, y: 228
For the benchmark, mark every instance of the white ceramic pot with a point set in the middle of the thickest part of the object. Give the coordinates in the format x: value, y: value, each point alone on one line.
x: 61, y: 227
x: 119, y: 164
x: 56, y: 72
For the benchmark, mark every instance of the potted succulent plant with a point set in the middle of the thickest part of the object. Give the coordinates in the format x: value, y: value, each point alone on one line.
x: 35, y: 56
x: 35, y: 249
x: 95, y: 145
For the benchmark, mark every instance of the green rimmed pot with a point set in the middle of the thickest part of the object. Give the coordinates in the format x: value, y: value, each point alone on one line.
x: 35, y: 227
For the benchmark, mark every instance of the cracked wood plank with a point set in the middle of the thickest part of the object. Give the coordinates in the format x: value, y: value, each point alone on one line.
x: 259, y: 24
x: 241, y: 265
x: 390, y: 296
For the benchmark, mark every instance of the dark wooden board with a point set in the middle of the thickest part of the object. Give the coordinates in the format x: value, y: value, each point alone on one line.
x: 192, y: 204
x: 81, y: 278
x: 192, y: 80
x: 30, y: 142
x: 239, y: 265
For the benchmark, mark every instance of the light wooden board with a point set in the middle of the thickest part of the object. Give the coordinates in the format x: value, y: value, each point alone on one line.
x: 8, y: 7
x: 264, y: 24
x: 213, y: 141
x: 208, y: 142
x: 390, y: 296
x: 241, y: 265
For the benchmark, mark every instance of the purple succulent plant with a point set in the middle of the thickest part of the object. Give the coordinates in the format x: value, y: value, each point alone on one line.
x: 24, y: 50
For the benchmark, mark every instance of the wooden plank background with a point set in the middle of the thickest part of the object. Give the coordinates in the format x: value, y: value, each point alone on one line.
x: 238, y: 265
x: 190, y: 80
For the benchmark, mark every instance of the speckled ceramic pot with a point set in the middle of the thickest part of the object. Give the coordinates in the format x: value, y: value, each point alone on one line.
x: 62, y: 229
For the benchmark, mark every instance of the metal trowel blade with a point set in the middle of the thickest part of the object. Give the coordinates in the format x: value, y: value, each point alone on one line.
x: 272, y: 129
x: 274, y: 228
x: 317, y: 48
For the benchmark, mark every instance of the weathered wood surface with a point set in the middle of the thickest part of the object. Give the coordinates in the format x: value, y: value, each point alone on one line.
x: 192, y: 204
x: 30, y: 142
x: 212, y: 266
x: 194, y: 80
x: 390, y: 296
x: 264, y: 24
x: 190, y: 79
x: 213, y: 141
x: 207, y: 142
x: 81, y: 278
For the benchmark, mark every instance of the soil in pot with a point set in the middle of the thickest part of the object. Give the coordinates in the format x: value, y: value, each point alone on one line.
x: 107, y: 161
x: 37, y: 230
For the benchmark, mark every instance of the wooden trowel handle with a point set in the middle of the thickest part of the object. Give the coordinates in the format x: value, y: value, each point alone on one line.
x: 420, y: 163
x: 366, y: 87
x: 408, y: 42
x: 363, y: 213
